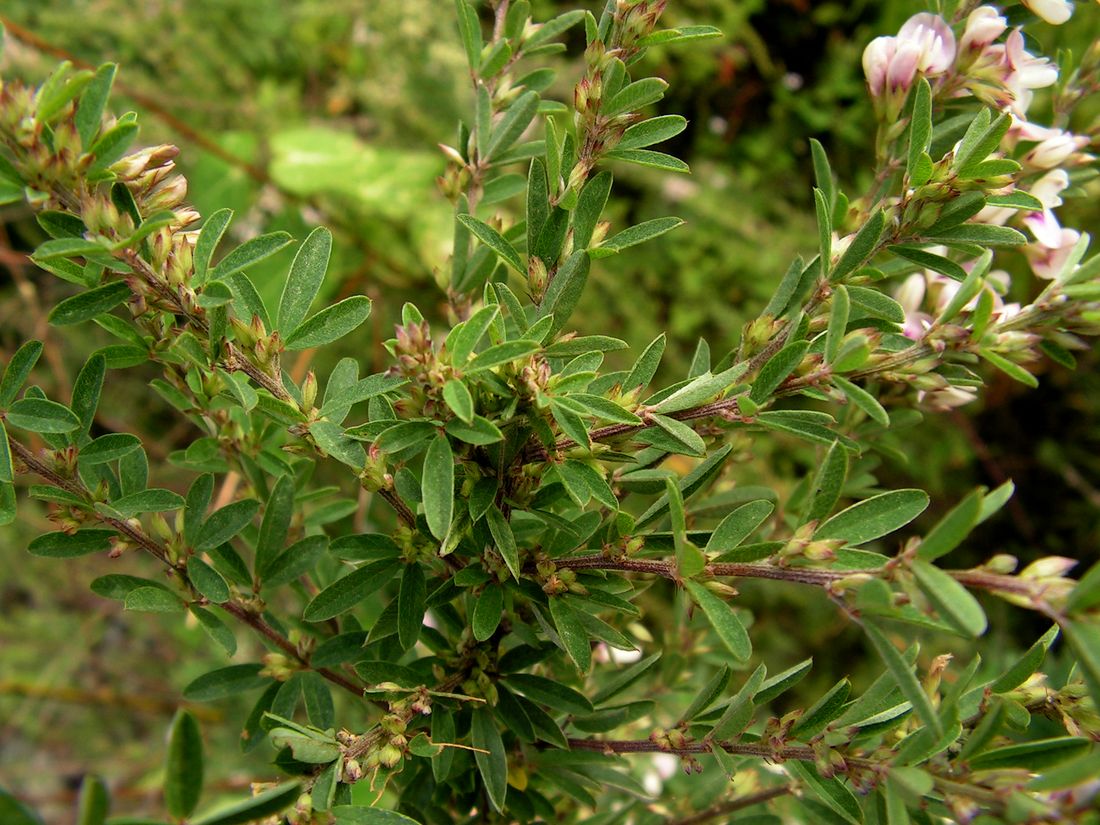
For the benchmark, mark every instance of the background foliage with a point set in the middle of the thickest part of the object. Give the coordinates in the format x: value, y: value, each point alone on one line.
x: 326, y: 112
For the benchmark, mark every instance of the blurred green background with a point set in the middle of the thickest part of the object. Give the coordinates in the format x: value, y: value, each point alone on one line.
x: 333, y: 109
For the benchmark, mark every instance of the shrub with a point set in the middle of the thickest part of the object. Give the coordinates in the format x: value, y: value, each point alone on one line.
x: 551, y: 600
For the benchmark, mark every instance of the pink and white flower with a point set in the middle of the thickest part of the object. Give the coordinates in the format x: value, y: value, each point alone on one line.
x: 1025, y: 72
x: 1047, y: 260
x: 1056, y: 12
x: 984, y: 25
x: 1044, y: 225
x: 924, y: 44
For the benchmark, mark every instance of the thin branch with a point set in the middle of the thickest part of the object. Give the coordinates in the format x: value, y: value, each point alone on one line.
x: 732, y: 805
x: 138, y: 537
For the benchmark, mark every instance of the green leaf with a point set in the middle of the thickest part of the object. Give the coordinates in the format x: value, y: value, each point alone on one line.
x: 833, y: 792
x: 207, y: 580
x: 278, y: 513
x: 261, y: 805
x: 692, y: 442
x: 634, y: 235
x: 950, y: 531
x: 492, y: 763
x: 982, y: 137
x: 1084, y: 639
x: 437, y: 486
x: 17, y: 370
x: 458, y: 398
x: 571, y: 631
x: 838, y: 323
x: 828, y: 482
x: 488, y: 609
x: 928, y: 260
x: 348, y: 815
x: 89, y: 112
x: 703, y: 388
x: 651, y: 131
x: 216, y: 629
x: 635, y: 96
x: 738, y: 526
x: 874, y: 517
x: 681, y: 34
x: 152, y: 600
x: 504, y: 353
x: 565, y: 290
x: 906, y: 679
x: 87, y: 389
x: 92, y: 806
x: 337, y: 443
x: 469, y: 30
x: 876, y: 304
x: 410, y: 605
x: 919, y: 166
x: 111, y: 145
x: 70, y: 545
x: 225, y: 523
x: 776, y: 369
x: 603, y: 409
x: 583, y: 345
x: 88, y: 304
x: 512, y: 124
x: 952, y: 601
x: 979, y: 233
x: 553, y: 28
x: 224, y: 682
x: 40, y: 415
x: 863, y: 400
x: 1035, y: 757
x: 61, y: 248
x: 782, y: 682
x: 330, y: 323
x: 7, y: 472
x: 504, y: 539
x: 551, y: 693
x: 723, y: 619
x: 213, y: 228
x: 590, y: 206
x: 1009, y: 368
x: 109, y: 447
x: 495, y: 241
x: 861, y: 248
x: 249, y: 253
x: 14, y: 812
x: 183, y: 772
x: 464, y: 340
x: 344, y: 593
x: 822, y: 712
x: 305, y: 278
x: 480, y: 431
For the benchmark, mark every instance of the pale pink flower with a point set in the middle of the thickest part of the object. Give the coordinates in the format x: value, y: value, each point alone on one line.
x: 925, y: 44
x: 1025, y: 72
x: 934, y: 40
x: 1052, y: 11
x: 984, y: 25
x: 947, y: 399
x: 1055, y: 146
x: 1046, y: 260
x: 1048, y: 189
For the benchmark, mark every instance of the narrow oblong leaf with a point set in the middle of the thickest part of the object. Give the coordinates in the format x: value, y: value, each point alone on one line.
x: 861, y: 248
x: 17, y: 370
x: 183, y: 772
x: 255, y: 808
x: 437, y: 486
x: 495, y: 241
x: 344, y: 593
x: 305, y: 278
x: 330, y: 323
x: 249, y: 253
x: 723, y: 619
x: 225, y: 523
x: 634, y: 235
x: 88, y: 304
x: 874, y: 517
x: 226, y: 681
x: 492, y: 763
x: 952, y: 601
x: 906, y: 679
x: 40, y: 415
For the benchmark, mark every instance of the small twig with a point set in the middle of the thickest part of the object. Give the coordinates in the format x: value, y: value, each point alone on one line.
x: 731, y: 805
